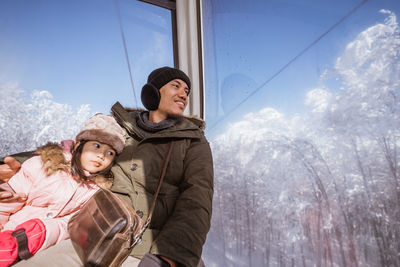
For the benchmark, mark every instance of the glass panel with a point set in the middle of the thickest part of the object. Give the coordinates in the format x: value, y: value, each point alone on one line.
x: 58, y: 56
x: 302, y: 110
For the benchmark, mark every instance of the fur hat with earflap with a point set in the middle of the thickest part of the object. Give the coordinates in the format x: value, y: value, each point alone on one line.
x: 158, y: 78
x: 105, y: 129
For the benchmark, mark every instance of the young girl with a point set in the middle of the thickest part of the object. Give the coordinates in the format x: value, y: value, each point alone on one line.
x: 57, y: 183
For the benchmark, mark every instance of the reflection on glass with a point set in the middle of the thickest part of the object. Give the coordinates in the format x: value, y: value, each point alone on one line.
x: 306, y: 168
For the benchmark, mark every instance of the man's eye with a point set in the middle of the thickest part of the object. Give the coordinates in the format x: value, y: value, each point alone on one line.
x: 187, y: 91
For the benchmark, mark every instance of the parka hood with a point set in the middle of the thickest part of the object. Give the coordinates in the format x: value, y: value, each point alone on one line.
x: 53, y: 158
x: 187, y: 127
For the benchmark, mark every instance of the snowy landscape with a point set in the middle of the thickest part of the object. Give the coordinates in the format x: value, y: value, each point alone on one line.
x: 320, y: 189
x: 29, y: 121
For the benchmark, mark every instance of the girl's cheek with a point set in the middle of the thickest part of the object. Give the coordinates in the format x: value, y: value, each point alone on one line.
x: 110, y: 160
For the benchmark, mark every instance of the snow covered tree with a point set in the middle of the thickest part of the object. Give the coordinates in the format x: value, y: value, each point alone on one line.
x: 27, y: 122
x: 320, y: 189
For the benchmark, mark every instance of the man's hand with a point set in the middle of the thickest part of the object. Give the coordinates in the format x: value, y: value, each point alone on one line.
x: 10, y: 167
x: 151, y: 260
x: 11, y: 197
x: 171, y: 262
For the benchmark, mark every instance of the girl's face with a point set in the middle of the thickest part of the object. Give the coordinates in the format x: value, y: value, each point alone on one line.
x: 96, y: 156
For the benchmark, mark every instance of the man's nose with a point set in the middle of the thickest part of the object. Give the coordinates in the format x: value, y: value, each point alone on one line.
x: 182, y: 94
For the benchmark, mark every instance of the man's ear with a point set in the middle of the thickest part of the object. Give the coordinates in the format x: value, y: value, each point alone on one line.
x: 150, y: 96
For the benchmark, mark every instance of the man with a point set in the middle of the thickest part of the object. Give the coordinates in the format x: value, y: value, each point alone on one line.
x: 10, y: 167
x: 181, y: 219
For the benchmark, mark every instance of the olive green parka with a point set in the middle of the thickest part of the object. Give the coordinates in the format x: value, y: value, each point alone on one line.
x: 182, y: 215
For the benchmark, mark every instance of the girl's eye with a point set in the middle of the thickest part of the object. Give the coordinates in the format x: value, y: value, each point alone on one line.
x: 110, y: 153
x: 96, y: 145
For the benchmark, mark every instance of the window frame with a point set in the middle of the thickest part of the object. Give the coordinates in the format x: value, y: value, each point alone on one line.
x: 187, y: 47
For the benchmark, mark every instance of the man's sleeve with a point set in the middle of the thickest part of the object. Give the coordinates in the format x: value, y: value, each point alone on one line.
x: 20, y: 157
x: 184, y: 234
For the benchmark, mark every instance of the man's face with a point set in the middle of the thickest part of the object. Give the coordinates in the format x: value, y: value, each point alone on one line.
x: 174, y: 98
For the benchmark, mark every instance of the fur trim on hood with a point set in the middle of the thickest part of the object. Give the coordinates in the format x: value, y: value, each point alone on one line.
x: 197, y: 121
x: 53, y: 158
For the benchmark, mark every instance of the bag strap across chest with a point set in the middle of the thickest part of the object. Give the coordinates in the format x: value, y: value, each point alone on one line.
x: 153, y: 203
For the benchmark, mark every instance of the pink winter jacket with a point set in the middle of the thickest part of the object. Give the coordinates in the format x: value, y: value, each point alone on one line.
x: 51, y: 198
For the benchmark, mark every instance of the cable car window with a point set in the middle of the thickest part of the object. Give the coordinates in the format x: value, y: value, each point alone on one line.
x: 62, y: 61
x: 302, y: 110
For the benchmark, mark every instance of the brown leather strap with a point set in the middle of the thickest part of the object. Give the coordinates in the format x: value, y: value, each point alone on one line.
x: 162, y: 175
x: 153, y: 204
x: 22, y: 241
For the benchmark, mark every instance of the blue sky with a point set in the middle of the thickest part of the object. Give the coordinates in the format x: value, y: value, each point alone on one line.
x: 255, y: 39
x: 74, y: 49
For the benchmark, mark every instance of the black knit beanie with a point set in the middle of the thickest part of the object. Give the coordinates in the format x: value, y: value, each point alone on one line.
x: 158, y: 78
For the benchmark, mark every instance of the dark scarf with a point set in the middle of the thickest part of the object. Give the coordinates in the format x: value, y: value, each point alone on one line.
x: 147, y: 127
